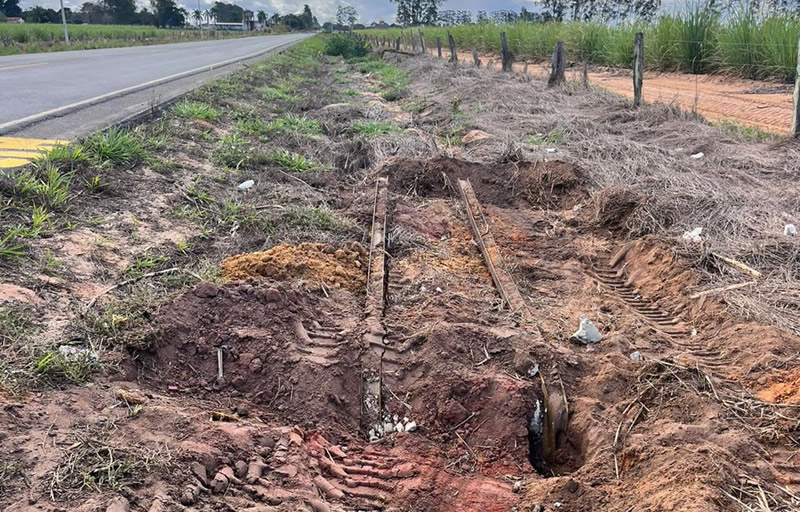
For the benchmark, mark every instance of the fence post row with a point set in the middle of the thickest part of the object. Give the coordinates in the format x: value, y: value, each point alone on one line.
x: 558, y: 66
x: 439, y: 46
x: 422, y: 42
x: 796, y: 97
x: 397, y: 44
x: 453, y: 54
x: 638, y: 68
x: 505, y: 53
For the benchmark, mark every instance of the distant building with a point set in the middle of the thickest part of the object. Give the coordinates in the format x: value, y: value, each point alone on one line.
x: 226, y: 26
x: 15, y: 20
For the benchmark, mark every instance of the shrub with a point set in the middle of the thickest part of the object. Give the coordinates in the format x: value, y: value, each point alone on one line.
x: 347, y: 46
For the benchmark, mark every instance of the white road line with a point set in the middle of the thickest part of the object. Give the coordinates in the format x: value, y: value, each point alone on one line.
x: 20, y: 66
x: 152, y: 83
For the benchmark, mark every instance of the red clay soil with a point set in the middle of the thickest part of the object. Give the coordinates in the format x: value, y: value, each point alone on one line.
x: 677, y: 430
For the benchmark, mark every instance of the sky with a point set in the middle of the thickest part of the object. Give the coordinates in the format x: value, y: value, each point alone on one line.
x: 325, y: 10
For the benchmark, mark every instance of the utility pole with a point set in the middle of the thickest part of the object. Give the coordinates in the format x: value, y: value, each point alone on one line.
x: 64, y: 23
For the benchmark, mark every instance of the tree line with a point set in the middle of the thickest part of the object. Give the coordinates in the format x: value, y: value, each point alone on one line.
x: 428, y: 12
x: 162, y: 13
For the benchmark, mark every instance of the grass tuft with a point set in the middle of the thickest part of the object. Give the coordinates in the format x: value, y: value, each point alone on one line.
x: 196, y: 110
x: 115, y: 145
x: 374, y: 128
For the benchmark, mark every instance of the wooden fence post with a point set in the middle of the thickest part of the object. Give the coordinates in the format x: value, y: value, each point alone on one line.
x: 557, y: 66
x: 796, y: 98
x: 506, y: 53
x: 638, y: 68
x: 413, y: 43
x: 397, y: 44
x: 475, y: 58
x: 422, y: 42
x: 439, y: 46
x: 453, y: 54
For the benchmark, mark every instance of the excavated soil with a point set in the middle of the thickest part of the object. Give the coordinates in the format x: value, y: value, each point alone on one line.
x: 316, y: 263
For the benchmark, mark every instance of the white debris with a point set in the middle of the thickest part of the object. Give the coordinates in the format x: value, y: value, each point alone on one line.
x: 636, y: 356
x: 388, y: 428
x: 72, y: 352
x: 694, y: 235
x: 246, y: 185
x: 395, y: 418
x: 411, y: 426
x: 399, y: 427
x: 587, y: 333
x: 533, y: 371
x: 517, y: 486
x: 438, y: 290
x: 405, y: 420
x: 550, y: 150
x: 698, y: 156
x: 790, y: 230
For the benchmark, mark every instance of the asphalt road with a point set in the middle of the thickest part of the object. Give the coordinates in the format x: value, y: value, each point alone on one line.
x: 64, y: 95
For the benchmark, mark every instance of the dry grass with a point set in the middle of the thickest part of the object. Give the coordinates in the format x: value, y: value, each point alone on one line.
x: 742, y: 192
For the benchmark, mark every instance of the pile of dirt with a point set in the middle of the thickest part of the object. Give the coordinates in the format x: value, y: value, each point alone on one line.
x: 344, y: 267
x: 782, y: 388
x: 505, y: 184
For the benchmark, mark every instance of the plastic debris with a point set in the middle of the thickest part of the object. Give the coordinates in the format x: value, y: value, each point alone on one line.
x: 636, y: 357
x: 246, y: 185
x: 698, y: 156
x: 517, y: 486
x: 550, y: 150
x: 411, y: 426
x: 399, y: 427
x: 587, y: 333
x: 533, y: 371
x: 790, y: 230
x: 694, y: 235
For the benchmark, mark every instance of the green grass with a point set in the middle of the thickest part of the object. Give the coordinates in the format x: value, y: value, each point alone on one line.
x: 298, y: 125
x: 393, y: 81
x: 741, y: 130
x: 44, y: 183
x: 373, y: 128
x: 280, y: 92
x: 196, y: 110
x: 314, y: 218
x: 698, y: 40
x: 234, y: 152
x: 116, y: 146
x: 46, y: 37
x: 556, y: 136
x: 294, y: 162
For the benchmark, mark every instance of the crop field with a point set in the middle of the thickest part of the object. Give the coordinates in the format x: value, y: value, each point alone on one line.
x: 345, y: 279
x: 743, y: 44
x: 42, y: 37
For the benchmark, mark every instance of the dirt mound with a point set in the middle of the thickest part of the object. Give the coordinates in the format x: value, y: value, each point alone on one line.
x: 520, y: 184
x: 614, y: 205
x: 344, y: 267
x: 782, y: 388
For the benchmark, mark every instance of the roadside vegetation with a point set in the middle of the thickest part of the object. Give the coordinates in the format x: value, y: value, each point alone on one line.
x: 700, y: 40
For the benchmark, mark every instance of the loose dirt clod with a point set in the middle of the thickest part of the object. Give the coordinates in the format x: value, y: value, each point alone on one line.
x: 316, y: 263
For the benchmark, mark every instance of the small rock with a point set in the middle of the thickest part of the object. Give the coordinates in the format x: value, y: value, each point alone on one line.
x: 636, y: 356
x: 698, y: 156
x: 517, y: 486
x: 272, y: 295
x: 399, y: 427
x: 587, y: 333
x: 199, y: 470
x: 411, y: 426
x: 288, y: 471
x: 790, y: 230
x: 246, y: 185
x: 206, y: 290
x: 388, y: 428
x: 474, y: 136
x: 119, y: 504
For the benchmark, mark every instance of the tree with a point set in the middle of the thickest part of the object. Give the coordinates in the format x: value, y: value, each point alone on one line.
x: 197, y: 16
x: 11, y: 8
x: 227, y: 13
x: 308, y: 19
x: 95, y: 13
x: 346, y: 15
x: 607, y: 10
x: 262, y: 18
x: 418, y: 12
x: 123, y: 12
x: 168, y: 14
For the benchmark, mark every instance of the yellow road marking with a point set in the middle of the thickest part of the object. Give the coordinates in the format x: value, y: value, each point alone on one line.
x: 20, y: 154
x: 23, y: 66
x: 10, y: 163
x: 16, y: 152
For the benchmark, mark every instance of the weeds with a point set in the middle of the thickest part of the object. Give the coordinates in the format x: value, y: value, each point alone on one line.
x: 394, y: 81
x: 298, y: 125
x: 73, y: 366
x: 234, y: 152
x: 746, y: 131
x: 282, y: 92
x: 556, y: 136
x: 64, y: 156
x: 44, y: 183
x: 116, y: 146
x: 314, y: 218
x: 347, y: 46
x: 374, y: 128
x: 196, y: 110
x: 294, y: 162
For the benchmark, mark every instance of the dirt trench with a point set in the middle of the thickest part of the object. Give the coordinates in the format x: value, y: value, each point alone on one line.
x: 429, y: 365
